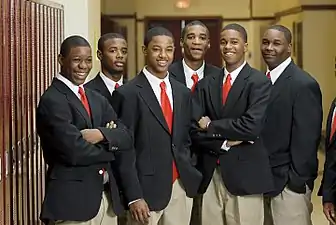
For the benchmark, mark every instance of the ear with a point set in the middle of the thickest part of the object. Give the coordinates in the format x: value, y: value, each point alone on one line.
x: 144, y: 50
x: 99, y: 54
x: 60, y: 60
x: 181, y: 43
x: 209, y: 44
x: 289, y: 50
x: 245, y: 47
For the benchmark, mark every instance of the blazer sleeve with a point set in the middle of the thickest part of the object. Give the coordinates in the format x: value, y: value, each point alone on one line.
x: 249, y: 125
x: 201, y: 140
x: 59, y: 135
x: 328, y: 189
x: 117, y: 138
x: 305, y: 137
x: 125, y: 108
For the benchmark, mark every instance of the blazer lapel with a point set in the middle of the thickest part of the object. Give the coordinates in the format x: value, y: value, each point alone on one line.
x: 177, y: 103
x: 237, y: 88
x: 215, y: 90
x: 94, y: 107
x: 281, y: 82
x: 150, y: 99
x: 177, y: 71
x: 74, y: 100
x: 101, y: 87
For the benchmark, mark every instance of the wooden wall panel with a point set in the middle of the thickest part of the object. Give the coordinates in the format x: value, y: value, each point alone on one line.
x: 30, y: 37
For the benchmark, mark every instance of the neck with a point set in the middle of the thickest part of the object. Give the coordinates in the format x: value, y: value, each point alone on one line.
x: 233, y: 67
x: 160, y: 75
x: 194, y: 65
x: 115, y: 76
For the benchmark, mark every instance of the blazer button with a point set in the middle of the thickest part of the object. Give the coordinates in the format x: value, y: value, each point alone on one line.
x: 101, y: 172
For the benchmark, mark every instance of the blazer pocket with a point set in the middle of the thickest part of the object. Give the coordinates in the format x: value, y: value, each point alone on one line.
x: 69, y: 174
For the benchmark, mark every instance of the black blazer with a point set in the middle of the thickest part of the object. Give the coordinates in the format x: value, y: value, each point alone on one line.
x: 74, y: 185
x: 292, y: 130
x: 245, y: 168
x: 97, y: 84
x: 177, y: 72
x: 328, y: 184
x: 155, y: 148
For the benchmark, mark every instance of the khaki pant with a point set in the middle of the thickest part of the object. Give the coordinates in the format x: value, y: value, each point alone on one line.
x: 105, y: 215
x: 222, y: 208
x: 177, y: 212
x: 289, y: 208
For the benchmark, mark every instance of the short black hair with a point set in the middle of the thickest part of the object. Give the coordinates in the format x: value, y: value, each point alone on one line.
x: 193, y: 23
x: 72, y: 42
x: 287, y: 33
x: 237, y: 27
x: 108, y: 36
x: 156, y: 31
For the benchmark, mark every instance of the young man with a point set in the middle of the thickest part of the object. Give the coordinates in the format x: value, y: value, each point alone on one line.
x: 327, y: 189
x: 157, y: 110
x: 291, y: 133
x: 233, y: 160
x: 112, y: 53
x: 195, y: 41
x: 79, y: 134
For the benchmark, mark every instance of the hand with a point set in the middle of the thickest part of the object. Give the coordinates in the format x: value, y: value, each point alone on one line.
x: 204, y: 122
x: 140, y: 211
x: 111, y: 125
x: 92, y: 135
x: 329, y: 212
x: 233, y: 143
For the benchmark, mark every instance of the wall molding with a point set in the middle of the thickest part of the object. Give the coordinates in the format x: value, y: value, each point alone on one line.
x: 298, y: 9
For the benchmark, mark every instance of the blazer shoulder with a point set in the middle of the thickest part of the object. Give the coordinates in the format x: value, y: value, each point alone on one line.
x: 212, y: 68
x: 180, y: 86
x: 258, y: 76
x: 302, y: 77
x: 175, y: 65
x: 92, y: 83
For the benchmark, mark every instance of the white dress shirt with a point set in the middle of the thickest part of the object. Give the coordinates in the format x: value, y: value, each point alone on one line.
x: 234, y: 74
x: 155, y: 84
x: 188, y: 72
x: 277, y: 71
x: 109, y: 83
x: 73, y: 87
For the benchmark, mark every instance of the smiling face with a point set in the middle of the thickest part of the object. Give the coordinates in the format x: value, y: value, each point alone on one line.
x: 77, y: 65
x: 275, y: 48
x: 233, y: 48
x: 195, y: 42
x: 159, y: 55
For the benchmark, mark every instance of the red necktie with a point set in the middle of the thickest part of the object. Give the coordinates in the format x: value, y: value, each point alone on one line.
x: 194, y: 77
x: 168, y: 114
x: 268, y: 75
x: 116, y: 86
x: 84, y: 100
x: 226, y: 88
x: 333, y: 127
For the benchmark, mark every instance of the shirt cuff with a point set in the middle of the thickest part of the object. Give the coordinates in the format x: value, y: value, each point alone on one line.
x: 133, y: 201
x: 224, y: 146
